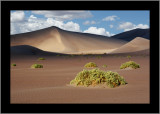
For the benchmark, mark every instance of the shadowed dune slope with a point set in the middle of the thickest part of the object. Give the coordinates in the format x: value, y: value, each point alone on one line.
x: 130, y: 35
x: 24, y: 50
x: 137, y: 44
x: 28, y: 50
x: 53, y: 39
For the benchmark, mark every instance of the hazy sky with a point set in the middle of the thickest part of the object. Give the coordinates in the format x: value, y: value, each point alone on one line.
x: 100, y: 22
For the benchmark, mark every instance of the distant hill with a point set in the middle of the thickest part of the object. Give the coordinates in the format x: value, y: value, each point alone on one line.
x: 130, y: 35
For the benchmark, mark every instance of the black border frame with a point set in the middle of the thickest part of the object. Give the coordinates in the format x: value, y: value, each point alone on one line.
x: 152, y: 6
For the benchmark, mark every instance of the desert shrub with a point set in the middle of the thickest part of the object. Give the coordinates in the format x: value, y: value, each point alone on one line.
x: 14, y: 64
x: 129, y: 57
x: 95, y: 76
x: 104, y: 66
x: 71, y: 55
x: 114, y: 79
x: 37, y: 66
x: 98, y: 56
x: 90, y: 65
x: 131, y: 64
x: 41, y: 58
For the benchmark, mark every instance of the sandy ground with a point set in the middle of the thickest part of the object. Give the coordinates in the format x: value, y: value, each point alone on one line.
x: 50, y: 84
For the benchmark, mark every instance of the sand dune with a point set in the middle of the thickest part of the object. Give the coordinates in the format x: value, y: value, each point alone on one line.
x: 137, y: 44
x: 130, y: 35
x: 26, y: 50
x: 56, y: 40
x: 53, y: 39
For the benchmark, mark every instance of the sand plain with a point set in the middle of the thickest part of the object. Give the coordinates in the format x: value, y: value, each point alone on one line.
x: 51, y: 83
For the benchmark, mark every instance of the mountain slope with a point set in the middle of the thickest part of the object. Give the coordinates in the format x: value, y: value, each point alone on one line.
x: 130, y: 35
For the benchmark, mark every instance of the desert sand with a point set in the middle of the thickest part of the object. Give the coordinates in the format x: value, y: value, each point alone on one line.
x: 51, y: 83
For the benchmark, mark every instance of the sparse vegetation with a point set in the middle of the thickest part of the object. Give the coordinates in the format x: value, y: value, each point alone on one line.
x: 37, y: 66
x: 98, y: 56
x: 41, y: 58
x: 71, y: 55
x: 14, y: 64
x: 104, y: 66
x: 129, y: 57
x: 90, y: 65
x: 95, y: 76
x: 130, y: 64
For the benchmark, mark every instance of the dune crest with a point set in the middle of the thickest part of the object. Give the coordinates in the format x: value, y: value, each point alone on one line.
x: 137, y: 44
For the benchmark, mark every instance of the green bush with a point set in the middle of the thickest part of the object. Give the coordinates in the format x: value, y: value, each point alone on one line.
x: 131, y: 64
x: 90, y: 65
x: 37, y: 66
x: 129, y: 57
x: 41, y: 58
x: 104, y: 66
x: 14, y: 64
x: 95, y: 76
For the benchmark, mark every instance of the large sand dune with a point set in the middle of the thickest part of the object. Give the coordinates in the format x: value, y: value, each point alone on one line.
x: 56, y: 40
x: 137, y: 44
x: 53, y: 39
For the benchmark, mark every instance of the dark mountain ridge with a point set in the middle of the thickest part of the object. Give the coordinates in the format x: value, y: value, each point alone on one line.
x: 130, y: 35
